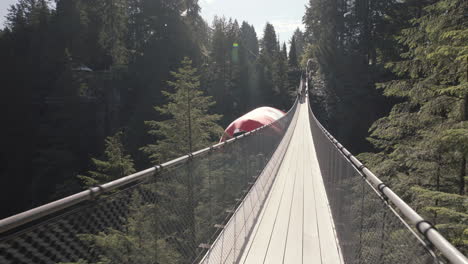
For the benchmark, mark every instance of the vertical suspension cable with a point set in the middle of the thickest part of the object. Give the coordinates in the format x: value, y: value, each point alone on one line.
x: 210, y: 195
x: 361, y: 221
x: 190, y: 206
x: 382, y: 238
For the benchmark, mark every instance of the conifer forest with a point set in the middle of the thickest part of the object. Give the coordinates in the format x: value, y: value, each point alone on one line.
x: 92, y: 91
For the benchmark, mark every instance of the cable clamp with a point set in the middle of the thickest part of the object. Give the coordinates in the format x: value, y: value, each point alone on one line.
x: 158, y: 168
x: 381, y: 188
x: 190, y: 156
x: 95, y: 194
x: 431, y: 226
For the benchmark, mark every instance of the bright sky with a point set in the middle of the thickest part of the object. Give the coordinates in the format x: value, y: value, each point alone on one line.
x: 285, y: 15
x: 4, y: 5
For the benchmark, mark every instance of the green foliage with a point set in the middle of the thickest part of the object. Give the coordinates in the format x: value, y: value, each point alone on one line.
x: 116, y: 164
x: 73, y: 73
x: 300, y: 43
x: 425, y: 136
x: 230, y: 51
x: 113, y: 30
x: 136, y: 241
x: 274, y: 70
x: 293, y: 62
x: 190, y: 126
x: 414, y: 53
x: 345, y: 40
x: 242, y: 73
x: 447, y: 210
x: 269, y: 43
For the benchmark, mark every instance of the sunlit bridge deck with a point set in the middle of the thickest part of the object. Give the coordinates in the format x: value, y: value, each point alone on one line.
x: 295, y: 225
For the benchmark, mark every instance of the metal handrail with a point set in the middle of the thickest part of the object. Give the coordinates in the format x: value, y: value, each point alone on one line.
x: 423, y: 226
x: 28, y: 216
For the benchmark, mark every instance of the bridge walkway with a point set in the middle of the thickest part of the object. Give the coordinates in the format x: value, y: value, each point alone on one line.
x: 295, y: 224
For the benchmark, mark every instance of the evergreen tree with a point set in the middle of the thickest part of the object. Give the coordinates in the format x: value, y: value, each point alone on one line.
x: 269, y: 57
x: 269, y: 43
x: 234, y: 91
x: 29, y: 68
x: 293, y: 62
x: 116, y: 164
x: 113, y: 30
x: 190, y: 117
x: 69, y: 66
x: 190, y: 128
x: 249, y: 41
x: 249, y: 51
x: 343, y: 40
x: 282, y: 100
x: 137, y: 241
x: 423, y: 140
x: 300, y: 43
x: 220, y: 83
x: 233, y: 69
x: 294, y: 72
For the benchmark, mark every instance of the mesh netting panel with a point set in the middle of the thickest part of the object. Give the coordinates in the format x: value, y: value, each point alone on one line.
x: 231, y: 242
x: 168, y: 217
x: 368, y: 229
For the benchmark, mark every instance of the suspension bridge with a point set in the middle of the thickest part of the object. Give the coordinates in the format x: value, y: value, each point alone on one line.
x: 288, y: 192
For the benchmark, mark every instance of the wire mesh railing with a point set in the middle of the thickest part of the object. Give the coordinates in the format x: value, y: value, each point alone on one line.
x: 230, y: 243
x: 367, y: 230
x: 368, y: 215
x: 167, y: 214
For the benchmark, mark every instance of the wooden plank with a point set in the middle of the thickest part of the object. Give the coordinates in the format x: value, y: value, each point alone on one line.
x: 294, y: 240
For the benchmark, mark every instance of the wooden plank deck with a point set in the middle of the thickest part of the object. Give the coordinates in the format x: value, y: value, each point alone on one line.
x: 295, y: 225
